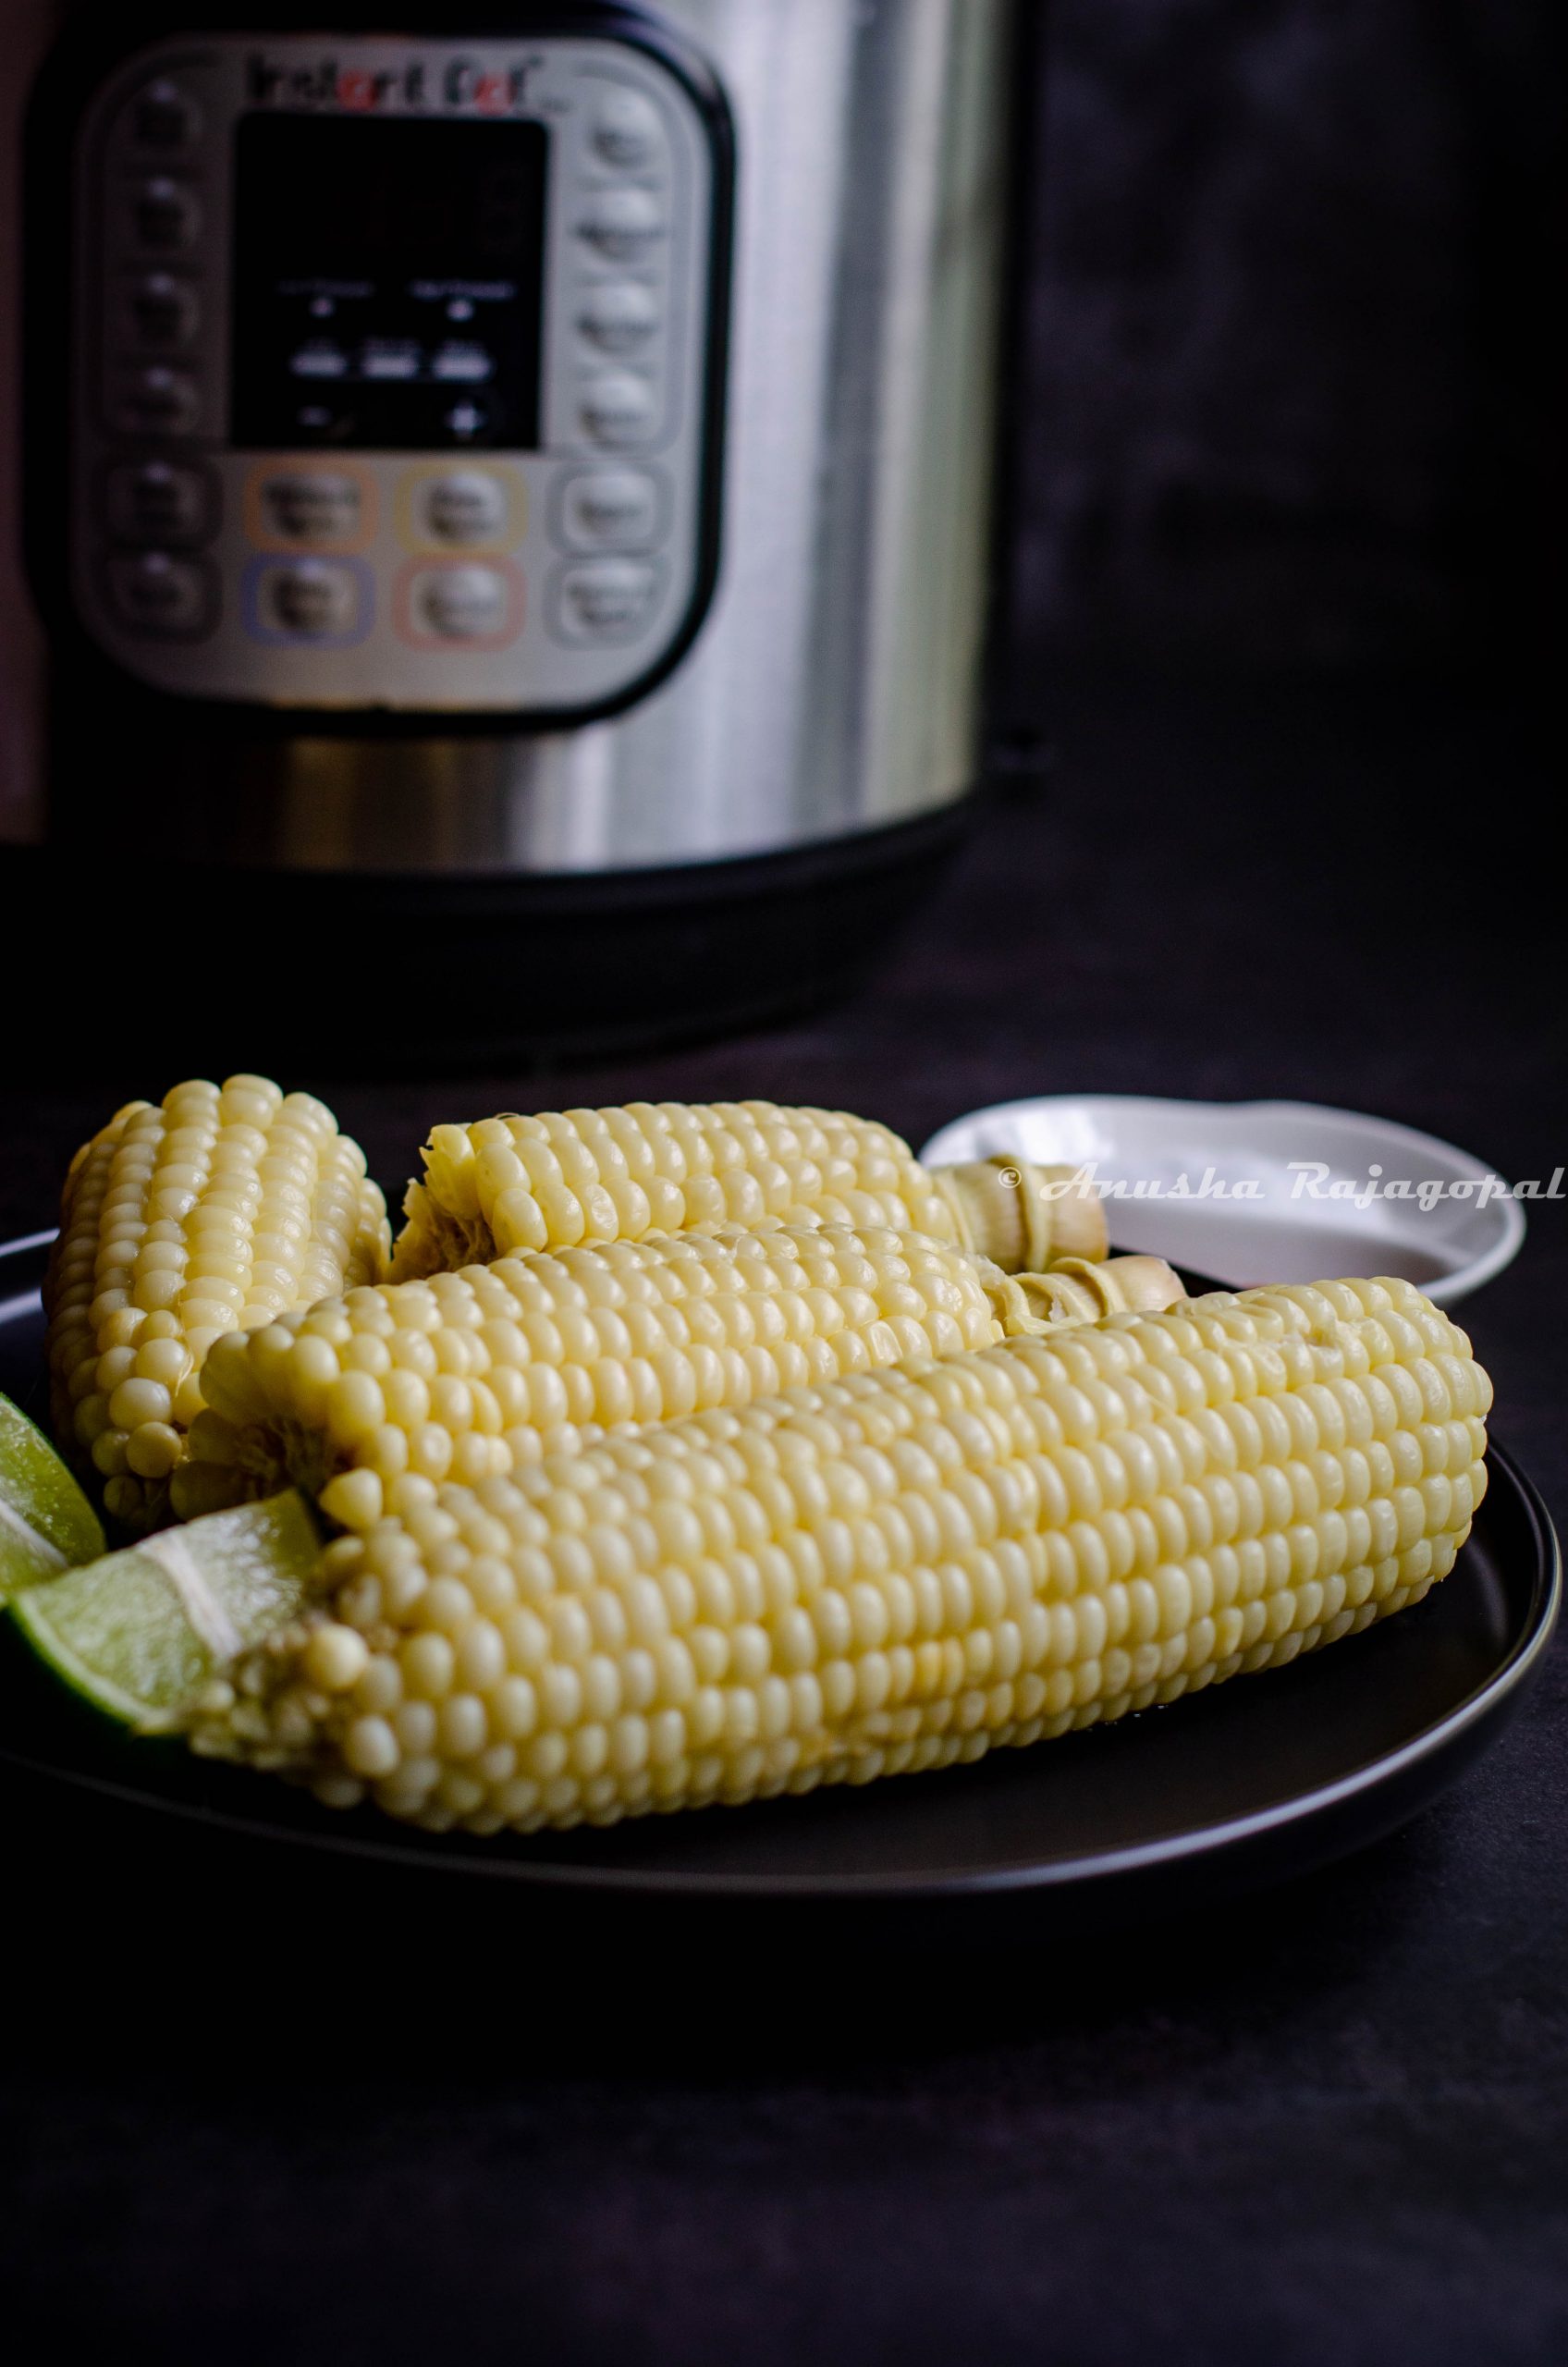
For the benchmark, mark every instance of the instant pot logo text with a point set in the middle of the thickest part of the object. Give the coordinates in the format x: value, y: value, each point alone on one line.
x: 462, y: 83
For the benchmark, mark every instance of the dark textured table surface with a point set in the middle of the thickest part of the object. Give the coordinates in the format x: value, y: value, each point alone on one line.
x: 264, y: 2114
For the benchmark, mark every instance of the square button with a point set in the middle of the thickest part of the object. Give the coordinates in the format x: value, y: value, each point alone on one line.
x: 453, y: 604
x: 310, y: 603
x: 603, y: 600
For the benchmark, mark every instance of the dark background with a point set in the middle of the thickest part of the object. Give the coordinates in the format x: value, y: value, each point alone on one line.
x: 1288, y: 383
x: 1278, y: 618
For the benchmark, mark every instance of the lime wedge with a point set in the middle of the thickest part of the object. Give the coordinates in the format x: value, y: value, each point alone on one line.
x: 46, y: 1524
x: 139, y: 1632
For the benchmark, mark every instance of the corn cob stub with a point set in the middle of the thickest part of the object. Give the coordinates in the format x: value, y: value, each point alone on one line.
x: 182, y: 1221
x: 1079, y: 1290
x: 467, y: 1375
x: 892, y: 1572
x: 514, y: 1184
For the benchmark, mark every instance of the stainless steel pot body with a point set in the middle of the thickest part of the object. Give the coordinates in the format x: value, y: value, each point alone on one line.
x: 833, y: 686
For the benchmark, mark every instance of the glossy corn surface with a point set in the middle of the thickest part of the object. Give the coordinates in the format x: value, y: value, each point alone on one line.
x: 517, y: 1183
x: 181, y: 1221
x: 883, y: 1573
x: 467, y: 1375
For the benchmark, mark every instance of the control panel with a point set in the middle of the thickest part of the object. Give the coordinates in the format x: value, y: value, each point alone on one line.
x: 395, y: 372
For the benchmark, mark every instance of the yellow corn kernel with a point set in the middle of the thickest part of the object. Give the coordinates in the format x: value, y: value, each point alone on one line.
x: 182, y: 1221
x: 886, y: 1572
x: 467, y: 1375
x: 510, y: 1183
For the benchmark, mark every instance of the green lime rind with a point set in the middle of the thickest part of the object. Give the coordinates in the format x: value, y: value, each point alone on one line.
x: 46, y: 1523
x: 137, y: 1633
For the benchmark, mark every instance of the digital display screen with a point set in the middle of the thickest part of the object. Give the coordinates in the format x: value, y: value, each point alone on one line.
x: 388, y: 282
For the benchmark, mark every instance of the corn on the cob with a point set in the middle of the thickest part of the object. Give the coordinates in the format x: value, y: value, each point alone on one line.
x: 513, y: 1184
x: 888, y: 1573
x: 467, y: 1375
x: 219, y: 1208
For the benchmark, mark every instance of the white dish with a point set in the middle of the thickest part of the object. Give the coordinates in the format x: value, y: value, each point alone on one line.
x: 1267, y: 1191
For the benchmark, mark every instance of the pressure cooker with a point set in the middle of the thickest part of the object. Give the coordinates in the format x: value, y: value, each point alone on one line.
x: 511, y: 495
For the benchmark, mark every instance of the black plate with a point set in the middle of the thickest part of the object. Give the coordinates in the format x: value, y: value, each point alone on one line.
x: 1244, y: 1783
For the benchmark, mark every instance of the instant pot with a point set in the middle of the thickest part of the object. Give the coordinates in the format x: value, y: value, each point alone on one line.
x: 509, y: 498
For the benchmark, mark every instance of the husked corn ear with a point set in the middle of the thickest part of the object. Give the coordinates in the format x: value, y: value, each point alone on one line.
x: 465, y: 1374
x: 1076, y: 1290
x: 513, y: 1184
x: 182, y: 1221
x: 886, y: 1572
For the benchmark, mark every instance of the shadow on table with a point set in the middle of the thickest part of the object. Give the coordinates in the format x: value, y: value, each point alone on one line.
x: 174, y: 1954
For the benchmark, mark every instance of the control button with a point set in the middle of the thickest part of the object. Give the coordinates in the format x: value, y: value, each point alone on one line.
x: 163, y: 115
x: 609, y: 509
x: 618, y: 407
x: 155, y: 401
x: 437, y: 602
x: 460, y: 603
x: 156, y: 593
x: 618, y: 315
x: 624, y: 224
x: 156, y: 501
x: 603, y: 600
x: 479, y: 506
x: 306, y: 506
x: 391, y: 357
x: 313, y: 599
x: 167, y: 215
x: 456, y: 363
x: 161, y: 309
x: 319, y: 359
x: 465, y: 506
x: 626, y: 131
x: 467, y: 418
x: 327, y: 602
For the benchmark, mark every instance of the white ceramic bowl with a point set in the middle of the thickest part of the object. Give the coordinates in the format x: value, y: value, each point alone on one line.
x: 1288, y: 1224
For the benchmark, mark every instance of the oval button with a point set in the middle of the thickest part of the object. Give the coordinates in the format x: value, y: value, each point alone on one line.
x: 460, y: 603
x: 163, y: 115
x: 155, y: 402
x: 625, y: 224
x: 609, y: 509
x: 618, y: 315
x: 157, y: 594
x: 167, y: 215
x: 626, y: 131
x: 618, y: 407
x: 154, y: 501
x: 161, y: 310
x: 605, y: 599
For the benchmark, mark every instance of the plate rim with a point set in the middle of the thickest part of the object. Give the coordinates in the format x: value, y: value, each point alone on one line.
x: 1214, y: 1841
